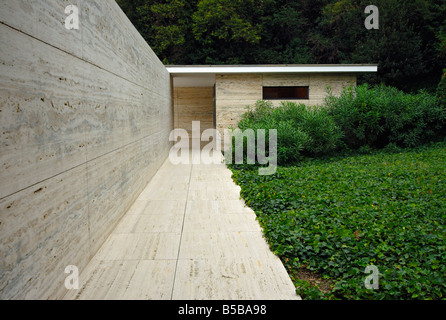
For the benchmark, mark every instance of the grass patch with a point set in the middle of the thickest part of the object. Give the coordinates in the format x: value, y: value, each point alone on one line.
x: 327, y: 219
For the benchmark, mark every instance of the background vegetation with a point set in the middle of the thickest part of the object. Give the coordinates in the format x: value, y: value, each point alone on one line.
x: 409, y: 47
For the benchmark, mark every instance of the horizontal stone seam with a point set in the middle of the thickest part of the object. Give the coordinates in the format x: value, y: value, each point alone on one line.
x: 86, y: 61
x: 75, y: 167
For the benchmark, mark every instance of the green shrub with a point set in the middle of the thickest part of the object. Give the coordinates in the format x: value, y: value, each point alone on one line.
x: 321, y: 129
x: 354, y: 116
x: 378, y: 116
x: 301, y: 130
x: 291, y: 140
x: 259, y: 112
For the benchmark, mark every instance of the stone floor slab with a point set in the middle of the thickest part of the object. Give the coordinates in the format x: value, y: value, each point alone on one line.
x: 231, y: 279
x: 223, y: 245
x: 140, y: 246
x: 221, y: 223
x: 148, y: 207
x: 152, y: 223
x: 125, y: 280
x: 217, y: 207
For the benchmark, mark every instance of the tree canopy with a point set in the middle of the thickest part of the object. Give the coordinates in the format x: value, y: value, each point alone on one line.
x: 409, y: 46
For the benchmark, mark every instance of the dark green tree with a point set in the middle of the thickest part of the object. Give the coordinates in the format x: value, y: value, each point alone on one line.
x: 283, y: 40
x: 166, y: 25
x: 227, y: 30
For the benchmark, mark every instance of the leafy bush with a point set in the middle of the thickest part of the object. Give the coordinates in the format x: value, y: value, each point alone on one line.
x: 337, y: 216
x: 321, y: 128
x: 378, y: 116
x: 301, y: 130
x: 290, y: 139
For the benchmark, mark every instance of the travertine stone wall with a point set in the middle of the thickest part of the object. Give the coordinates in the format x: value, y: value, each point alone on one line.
x: 85, y: 117
x: 193, y: 104
x: 234, y: 92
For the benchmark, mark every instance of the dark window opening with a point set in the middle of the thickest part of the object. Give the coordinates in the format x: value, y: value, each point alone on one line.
x: 285, y: 93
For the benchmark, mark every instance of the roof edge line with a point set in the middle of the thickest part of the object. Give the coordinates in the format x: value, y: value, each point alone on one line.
x: 270, y: 69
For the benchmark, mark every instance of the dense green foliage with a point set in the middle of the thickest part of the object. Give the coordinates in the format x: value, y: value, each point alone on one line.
x: 361, y: 117
x: 335, y: 216
x: 409, y: 46
x: 301, y: 131
x: 375, y: 117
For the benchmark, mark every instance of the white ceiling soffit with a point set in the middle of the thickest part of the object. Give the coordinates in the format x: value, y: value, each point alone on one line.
x: 179, y: 70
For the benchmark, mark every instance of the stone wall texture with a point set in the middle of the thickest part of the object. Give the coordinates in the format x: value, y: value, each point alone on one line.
x: 85, y: 117
x: 194, y: 104
x: 234, y: 92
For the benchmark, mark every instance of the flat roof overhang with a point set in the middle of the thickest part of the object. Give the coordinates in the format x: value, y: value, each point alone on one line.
x: 228, y: 69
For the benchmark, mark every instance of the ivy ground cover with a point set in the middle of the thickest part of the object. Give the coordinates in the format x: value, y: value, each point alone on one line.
x: 334, y: 217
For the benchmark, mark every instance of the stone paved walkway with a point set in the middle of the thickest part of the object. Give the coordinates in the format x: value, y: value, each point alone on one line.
x: 188, y: 236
